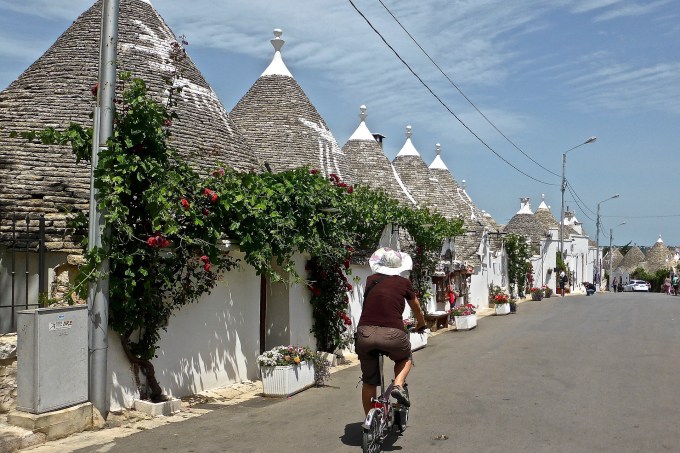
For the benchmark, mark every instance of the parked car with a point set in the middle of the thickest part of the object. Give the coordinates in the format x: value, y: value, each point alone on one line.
x: 636, y: 285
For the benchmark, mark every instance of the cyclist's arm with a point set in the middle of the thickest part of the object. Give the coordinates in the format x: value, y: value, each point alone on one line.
x: 417, y: 312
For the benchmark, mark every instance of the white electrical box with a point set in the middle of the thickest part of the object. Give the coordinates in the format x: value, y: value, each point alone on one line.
x: 52, y: 365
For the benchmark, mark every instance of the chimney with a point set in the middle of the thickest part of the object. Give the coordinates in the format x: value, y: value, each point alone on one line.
x: 379, y: 138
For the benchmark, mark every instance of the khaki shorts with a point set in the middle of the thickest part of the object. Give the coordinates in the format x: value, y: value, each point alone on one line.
x: 370, y: 339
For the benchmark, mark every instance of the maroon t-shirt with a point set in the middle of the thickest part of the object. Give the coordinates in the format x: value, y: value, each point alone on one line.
x: 385, y: 303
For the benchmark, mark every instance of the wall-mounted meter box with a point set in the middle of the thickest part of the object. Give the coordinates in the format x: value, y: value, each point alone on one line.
x: 51, y: 358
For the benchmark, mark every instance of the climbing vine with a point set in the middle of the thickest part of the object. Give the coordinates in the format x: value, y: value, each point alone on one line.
x: 518, y: 254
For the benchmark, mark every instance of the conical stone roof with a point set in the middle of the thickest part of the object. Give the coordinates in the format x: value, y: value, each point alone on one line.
x: 659, y: 257
x: 617, y: 259
x: 461, y: 205
x: 56, y: 90
x: 633, y: 259
x: 371, y: 166
x: 525, y: 223
x: 422, y: 185
x: 283, y: 127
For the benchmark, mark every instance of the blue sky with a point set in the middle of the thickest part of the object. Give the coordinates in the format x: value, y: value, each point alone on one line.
x: 547, y: 74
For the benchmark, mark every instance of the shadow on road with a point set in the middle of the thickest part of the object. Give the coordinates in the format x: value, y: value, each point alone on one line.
x: 353, y: 437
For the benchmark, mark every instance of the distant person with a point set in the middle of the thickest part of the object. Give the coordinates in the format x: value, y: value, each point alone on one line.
x: 620, y: 284
x: 563, y: 282
x: 667, y: 285
x: 590, y: 288
x: 675, y: 284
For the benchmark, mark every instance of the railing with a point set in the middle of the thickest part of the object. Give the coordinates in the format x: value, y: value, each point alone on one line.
x: 21, y: 238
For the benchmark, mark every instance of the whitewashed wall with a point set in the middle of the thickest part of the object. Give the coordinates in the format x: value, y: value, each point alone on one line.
x: 209, y: 344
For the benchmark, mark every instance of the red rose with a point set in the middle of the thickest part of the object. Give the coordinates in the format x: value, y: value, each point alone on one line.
x: 167, y: 122
x: 206, y: 267
x: 185, y: 203
x: 314, y: 171
x: 350, y: 189
x: 206, y: 211
x: 205, y: 259
x: 151, y: 241
x: 213, y: 197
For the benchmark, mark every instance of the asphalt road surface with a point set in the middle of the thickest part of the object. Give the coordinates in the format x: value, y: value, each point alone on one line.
x: 574, y: 374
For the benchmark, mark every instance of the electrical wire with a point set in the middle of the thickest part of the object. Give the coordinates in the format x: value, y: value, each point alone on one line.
x: 576, y: 200
x: 442, y: 102
x: 461, y: 91
x: 581, y: 200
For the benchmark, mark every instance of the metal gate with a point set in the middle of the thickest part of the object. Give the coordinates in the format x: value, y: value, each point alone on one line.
x: 21, y: 238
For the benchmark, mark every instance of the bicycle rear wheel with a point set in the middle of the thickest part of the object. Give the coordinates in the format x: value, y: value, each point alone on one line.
x: 372, y: 441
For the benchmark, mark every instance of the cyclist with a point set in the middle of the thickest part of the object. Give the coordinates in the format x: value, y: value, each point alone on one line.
x: 381, y: 326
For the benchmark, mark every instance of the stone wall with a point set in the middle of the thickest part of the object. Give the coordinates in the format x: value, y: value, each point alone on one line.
x: 8, y: 373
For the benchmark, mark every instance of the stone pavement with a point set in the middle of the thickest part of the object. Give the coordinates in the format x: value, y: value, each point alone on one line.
x: 125, y: 423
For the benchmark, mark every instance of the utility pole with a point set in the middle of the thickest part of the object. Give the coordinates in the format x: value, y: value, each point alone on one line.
x: 98, y: 296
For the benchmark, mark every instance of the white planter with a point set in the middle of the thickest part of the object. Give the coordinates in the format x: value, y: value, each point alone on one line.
x: 418, y: 340
x: 282, y: 381
x: 466, y: 322
x: 502, y: 309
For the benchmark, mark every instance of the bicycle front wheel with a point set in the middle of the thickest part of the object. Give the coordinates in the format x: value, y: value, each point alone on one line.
x: 372, y: 441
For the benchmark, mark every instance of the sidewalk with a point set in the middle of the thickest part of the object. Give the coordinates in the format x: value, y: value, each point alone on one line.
x: 126, y: 423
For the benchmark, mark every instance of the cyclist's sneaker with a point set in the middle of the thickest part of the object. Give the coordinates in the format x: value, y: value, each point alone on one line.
x: 400, y: 395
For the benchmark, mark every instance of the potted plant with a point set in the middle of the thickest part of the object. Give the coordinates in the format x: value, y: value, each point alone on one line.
x: 547, y: 291
x: 536, y: 293
x: 287, y: 370
x: 502, y: 303
x: 513, y: 305
x: 465, y: 316
x: 418, y: 340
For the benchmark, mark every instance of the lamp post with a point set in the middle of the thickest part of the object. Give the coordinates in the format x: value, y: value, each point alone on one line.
x: 564, y: 187
x: 611, y: 255
x: 597, y: 242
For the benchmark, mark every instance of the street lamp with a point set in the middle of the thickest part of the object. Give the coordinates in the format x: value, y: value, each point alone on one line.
x: 611, y: 255
x: 597, y: 242
x: 564, y: 187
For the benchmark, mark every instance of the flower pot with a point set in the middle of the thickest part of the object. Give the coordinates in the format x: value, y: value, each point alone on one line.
x: 466, y: 322
x: 502, y: 309
x: 282, y: 381
x: 536, y: 297
x: 513, y: 307
x: 418, y: 340
x: 547, y: 295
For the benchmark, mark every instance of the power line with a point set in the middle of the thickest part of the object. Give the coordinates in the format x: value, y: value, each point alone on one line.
x: 583, y: 211
x: 641, y: 216
x: 584, y: 203
x: 461, y: 91
x: 441, y: 101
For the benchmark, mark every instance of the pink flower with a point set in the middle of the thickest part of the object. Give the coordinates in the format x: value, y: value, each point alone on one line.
x: 218, y: 172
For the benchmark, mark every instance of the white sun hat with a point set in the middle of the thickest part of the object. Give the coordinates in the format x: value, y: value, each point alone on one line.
x: 387, y: 261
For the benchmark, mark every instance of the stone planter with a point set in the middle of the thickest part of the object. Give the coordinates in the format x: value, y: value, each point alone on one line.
x: 536, y: 297
x: 283, y: 381
x: 418, y: 340
x: 502, y: 309
x: 466, y: 322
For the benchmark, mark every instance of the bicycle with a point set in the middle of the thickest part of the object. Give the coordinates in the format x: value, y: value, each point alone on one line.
x: 384, y: 415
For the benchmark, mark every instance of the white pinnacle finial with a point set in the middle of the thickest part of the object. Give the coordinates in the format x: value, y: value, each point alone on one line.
x: 408, y: 132
x: 277, y: 66
x: 438, y: 148
x: 463, y: 184
x: 277, y: 42
x: 362, y: 115
x: 542, y: 197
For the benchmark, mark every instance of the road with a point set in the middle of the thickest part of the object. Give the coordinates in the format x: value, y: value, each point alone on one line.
x: 574, y: 374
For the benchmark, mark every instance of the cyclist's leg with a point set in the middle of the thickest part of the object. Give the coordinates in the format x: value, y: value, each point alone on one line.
x: 401, y: 370
x: 366, y: 344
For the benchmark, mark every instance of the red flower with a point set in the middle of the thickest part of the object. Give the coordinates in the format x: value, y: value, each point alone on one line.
x: 206, y: 267
x: 151, y: 241
x: 205, y: 259
x: 95, y: 89
x: 185, y: 203
x: 334, y: 178
x: 349, y: 287
x: 206, y: 211
x: 314, y: 171
x: 213, y: 197
x: 347, y: 264
x: 350, y: 189
x: 167, y: 123
x: 218, y: 172
x: 316, y: 291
